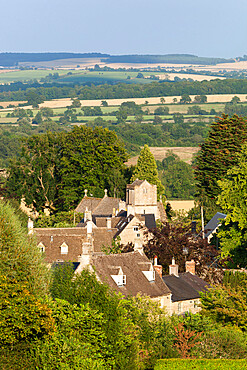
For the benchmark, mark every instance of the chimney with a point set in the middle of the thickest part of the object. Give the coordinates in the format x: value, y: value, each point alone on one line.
x: 30, y: 226
x: 87, y: 215
x: 85, y: 191
x: 173, y: 268
x: 105, y: 193
x: 190, y: 266
x: 89, y: 228
x: 158, y: 268
x: 108, y: 222
x: 138, y: 247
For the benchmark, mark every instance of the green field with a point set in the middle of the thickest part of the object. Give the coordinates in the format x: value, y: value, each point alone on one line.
x: 27, y: 75
x: 202, y: 364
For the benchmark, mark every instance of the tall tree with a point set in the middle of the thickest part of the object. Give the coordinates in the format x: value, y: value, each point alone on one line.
x: 33, y: 174
x: 218, y: 154
x: 146, y: 169
x: 233, y: 199
x: 87, y: 160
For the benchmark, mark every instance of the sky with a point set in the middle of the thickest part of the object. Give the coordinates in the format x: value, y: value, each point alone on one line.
x: 203, y: 27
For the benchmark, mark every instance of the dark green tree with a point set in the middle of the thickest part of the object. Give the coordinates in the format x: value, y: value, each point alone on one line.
x: 146, y: 169
x: 219, y: 153
x: 87, y: 159
x: 33, y: 174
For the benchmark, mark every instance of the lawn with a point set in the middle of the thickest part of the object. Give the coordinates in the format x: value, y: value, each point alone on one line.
x: 200, y: 364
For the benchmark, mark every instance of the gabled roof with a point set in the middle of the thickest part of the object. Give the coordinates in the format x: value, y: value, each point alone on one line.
x: 132, y: 264
x: 186, y: 286
x: 106, y: 205
x: 87, y: 202
x: 213, y: 223
x: 137, y: 182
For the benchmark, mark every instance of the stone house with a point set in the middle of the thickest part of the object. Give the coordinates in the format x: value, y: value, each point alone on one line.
x: 185, y: 288
x: 130, y: 274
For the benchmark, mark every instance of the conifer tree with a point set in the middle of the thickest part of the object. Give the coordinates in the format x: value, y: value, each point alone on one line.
x: 219, y: 153
x: 146, y: 169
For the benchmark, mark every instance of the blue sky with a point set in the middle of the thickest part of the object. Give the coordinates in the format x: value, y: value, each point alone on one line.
x: 202, y: 27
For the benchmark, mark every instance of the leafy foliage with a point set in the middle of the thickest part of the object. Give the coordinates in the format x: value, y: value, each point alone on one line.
x: 19, y: 258
x: 233, y: 200
x: 217, y: 155
x: 146, y: 169
x: 177, y: 177
x: 178, y: 241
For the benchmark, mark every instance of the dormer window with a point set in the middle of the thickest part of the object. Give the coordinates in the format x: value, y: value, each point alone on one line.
x: 64, y: 248
x: 120, y: 278
x: 41, y: 247
x: 150, y: 275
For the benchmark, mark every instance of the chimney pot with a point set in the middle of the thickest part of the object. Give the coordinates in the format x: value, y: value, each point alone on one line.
x: 85, y: 191
x: 105, y: 193
x: 173, y: 268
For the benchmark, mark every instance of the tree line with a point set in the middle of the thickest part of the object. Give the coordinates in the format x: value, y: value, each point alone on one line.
x: 19, y: 91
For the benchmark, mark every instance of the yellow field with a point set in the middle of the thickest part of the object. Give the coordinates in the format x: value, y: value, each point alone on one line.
x: 61, y: 103
x: 159, y: 153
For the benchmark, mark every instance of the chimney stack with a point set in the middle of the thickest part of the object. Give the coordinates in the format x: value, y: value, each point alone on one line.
x: 190, y: 266
x: 30, y: 226
x: 87, y: 215
x: 105, y: 193
x: 158, y: 268
x: 89, y: 228
x: 85, y: 191
x: 108, y: 222
x: 173, y: 268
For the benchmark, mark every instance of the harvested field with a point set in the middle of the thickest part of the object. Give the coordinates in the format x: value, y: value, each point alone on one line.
x: 60, y: 103
x: 182, y: 205
x: 193, y: 77
x: 184, y: 153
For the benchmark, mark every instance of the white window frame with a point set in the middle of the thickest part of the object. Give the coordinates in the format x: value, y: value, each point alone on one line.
x: 120, y: 279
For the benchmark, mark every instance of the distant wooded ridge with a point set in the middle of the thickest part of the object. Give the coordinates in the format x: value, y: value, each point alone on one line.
x: 12, y: 59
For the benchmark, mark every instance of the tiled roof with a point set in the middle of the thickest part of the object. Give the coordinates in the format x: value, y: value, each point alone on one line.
x: 132, y: 265
x: 105, y: 207
x: 137, y: 182
x: 185, y: 286
x: 53, y: 238
x: 87, y: 202
x: 102, y: 237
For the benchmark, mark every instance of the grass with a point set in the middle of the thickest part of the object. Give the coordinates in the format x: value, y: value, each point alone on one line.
x: 27, y: 75
x: 199, y: 364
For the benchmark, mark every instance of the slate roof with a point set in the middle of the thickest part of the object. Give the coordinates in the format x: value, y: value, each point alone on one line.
x: 105, y: 207
x: 87, y: 202
x: 132, y: 265
x: 213, y: 223
x: 184, y: 287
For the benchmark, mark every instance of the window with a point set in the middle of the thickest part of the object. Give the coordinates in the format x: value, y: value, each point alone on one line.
x: 51, y: 238
x: 120, y: 280
x: 135, y: 228
x: 138, y: 235
x: 64, y: 248
x: 179, y: 306
x: 41, y: 247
